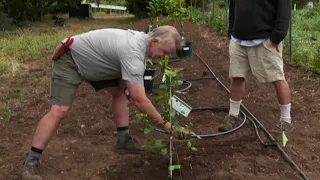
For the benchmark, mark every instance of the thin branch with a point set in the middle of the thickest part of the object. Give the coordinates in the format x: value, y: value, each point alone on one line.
x: 171, y: 137
x: 178, y: 160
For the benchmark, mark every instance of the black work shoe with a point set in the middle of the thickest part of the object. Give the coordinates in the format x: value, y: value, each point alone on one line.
x: 31, y: 170
x: 229, y: 123
x: 129, y: 146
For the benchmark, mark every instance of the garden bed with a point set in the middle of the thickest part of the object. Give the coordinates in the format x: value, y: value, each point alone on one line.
x: 83, y: 146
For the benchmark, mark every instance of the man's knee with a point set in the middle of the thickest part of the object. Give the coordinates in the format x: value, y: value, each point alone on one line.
x: 116, y: 93
x: 59, y: 111
x: 280, y: 83
x: 238, y: 80
x: 120, y: 97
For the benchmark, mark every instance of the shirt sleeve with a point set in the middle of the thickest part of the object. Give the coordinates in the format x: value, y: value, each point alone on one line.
x: 132, y: 67
x: 231, y: 18
x: 282, y: 21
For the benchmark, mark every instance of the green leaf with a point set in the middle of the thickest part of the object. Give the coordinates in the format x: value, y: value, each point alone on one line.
x: 150, y: 61
x: 162, y: 86
x: 179, y: 82
x: 187, y: 131
x: 164, y: 152
x: 140, y: 115
x: 161, y: 92
x: 177, y: 70
x: 147, y: 130
x: 194, y: 134
x: 163, y: 63
x: 148, y: 144
x: 159, y: 143
x: 189, y: 145
x: 167, y: 72
x: 194, y: 149
x: 160, y: 98
x: 172, y: 113
x: 147, y: 123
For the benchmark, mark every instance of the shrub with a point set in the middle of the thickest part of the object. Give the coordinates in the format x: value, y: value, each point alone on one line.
x: 6, y: 22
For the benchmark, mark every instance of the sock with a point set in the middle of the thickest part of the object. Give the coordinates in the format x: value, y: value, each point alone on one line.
x: 234, y: 107
x: 123, y: 133
x: 285, y: 113
x: 34, y: 153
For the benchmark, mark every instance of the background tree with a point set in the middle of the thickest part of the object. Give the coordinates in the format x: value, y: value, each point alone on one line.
x: 138, y: 7
x: 32, y: 10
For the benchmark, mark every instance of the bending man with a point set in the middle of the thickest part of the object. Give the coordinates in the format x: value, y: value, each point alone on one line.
x: 111, y: 59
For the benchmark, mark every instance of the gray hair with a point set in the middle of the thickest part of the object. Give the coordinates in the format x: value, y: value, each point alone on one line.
x: 167, y: 34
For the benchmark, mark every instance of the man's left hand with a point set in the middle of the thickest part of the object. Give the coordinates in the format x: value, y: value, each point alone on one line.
x: 182, y: 135
x: 275, y: 46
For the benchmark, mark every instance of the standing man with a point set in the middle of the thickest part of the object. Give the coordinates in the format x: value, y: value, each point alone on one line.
x: 111, y: 59
x: 257, y: 29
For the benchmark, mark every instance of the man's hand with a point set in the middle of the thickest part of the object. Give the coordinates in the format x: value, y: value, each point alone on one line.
x: 275, y: 46
x: 182, y: 135
x: 138, y: 97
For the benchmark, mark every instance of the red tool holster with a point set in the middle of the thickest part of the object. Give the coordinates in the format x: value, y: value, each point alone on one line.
x: 63, y: 49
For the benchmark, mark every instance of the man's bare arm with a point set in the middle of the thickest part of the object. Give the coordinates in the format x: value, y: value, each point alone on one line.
x: 141, y: 101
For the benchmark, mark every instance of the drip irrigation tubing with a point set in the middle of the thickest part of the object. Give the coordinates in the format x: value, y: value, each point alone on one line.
x: 174, y: 59
x: 255, y: 121
x: 186, y: 83
x: 242, y: 114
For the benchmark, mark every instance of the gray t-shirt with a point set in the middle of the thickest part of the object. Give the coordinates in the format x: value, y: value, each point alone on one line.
x: 106, y: 54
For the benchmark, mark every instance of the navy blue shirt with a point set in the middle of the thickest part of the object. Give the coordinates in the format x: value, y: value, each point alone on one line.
x: 257, y: 19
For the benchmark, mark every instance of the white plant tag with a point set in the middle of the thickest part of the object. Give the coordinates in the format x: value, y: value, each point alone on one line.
x: 180, y: 106
x: 186, y: 48
x: 147, y: 77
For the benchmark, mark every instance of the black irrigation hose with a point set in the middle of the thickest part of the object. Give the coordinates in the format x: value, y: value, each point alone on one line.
x: 195, y: 79
x: 255, y: 120
x: 174, y: 59
x: 187, y: 83
x: 242, y: 114
x: 258, y: 135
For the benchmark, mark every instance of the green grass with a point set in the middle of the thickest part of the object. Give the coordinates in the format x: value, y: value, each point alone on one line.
x: 27, y: 45
x: 306, y: 38
x: 214, y: 18
x: 37, y: 42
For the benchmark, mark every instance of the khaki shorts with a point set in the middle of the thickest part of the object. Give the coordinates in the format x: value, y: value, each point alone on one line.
x: 65, y: 81
x: 263, y: 61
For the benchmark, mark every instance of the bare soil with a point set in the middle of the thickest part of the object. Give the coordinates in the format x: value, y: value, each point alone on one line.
x: 84, y: 143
